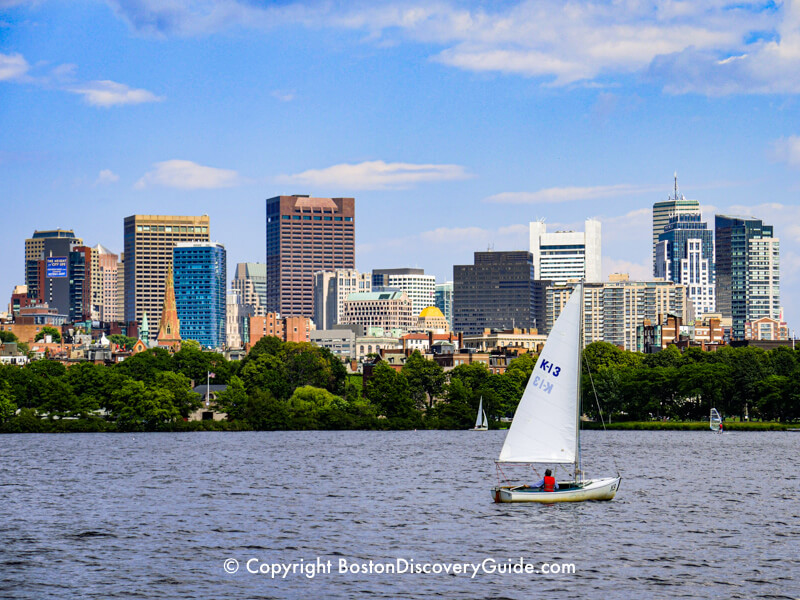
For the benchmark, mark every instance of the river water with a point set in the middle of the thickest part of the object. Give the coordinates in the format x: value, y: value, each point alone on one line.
x: 157, y: 515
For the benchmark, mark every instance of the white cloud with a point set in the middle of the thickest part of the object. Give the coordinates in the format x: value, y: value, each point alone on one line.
x: 708, y: 46
x: 106, y: 176
x: 110, y: 93
x: 375, y: 175
x: 568, y: 194
x: 787, y: 150
x: 284, y: 96
x: 12, y: 66
x: 186, y: 175
x: 636, y: 271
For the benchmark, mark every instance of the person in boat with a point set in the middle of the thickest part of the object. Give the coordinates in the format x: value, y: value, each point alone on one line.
x: 720, y: 427
x: 547, y: 483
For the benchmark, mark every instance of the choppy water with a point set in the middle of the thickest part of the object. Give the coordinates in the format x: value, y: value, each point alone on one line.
x: 156, y: 515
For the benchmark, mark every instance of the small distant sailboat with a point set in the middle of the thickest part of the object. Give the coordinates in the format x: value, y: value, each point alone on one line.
x: 546, y: 428
x: 715, y: 421
x: 481, y: 423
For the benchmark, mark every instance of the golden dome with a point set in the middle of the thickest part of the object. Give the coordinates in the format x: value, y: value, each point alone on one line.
x: 430, y: 311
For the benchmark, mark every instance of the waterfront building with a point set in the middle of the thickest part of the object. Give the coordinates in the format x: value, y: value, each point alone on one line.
x: 613, y: 310
x: 677, y: 204
x: 708, y: 333
x: 34, y: 252
x: 331, y: 289
x: 305, y: 235
x: 444, y: 300
x: 566, y: 255
x: 385, y: 310
x: 200, y: 283
x: 747, y: 271
x: 766, y: 328
x: 149, y: 240
x: 250, y: 282
x: 498, y: 291
x: 421, y: 288
x: 685, y: 254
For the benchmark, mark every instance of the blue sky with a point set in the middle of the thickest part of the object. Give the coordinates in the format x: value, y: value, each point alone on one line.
x: 453, y: 124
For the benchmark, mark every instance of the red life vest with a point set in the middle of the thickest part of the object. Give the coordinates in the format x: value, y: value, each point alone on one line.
x: 549, y: 484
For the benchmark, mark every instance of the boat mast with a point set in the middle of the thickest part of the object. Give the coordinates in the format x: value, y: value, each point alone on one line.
x: 577, y: 468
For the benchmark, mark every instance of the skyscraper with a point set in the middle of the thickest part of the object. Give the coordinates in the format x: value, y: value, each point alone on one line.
x: 305, y: 235
x: 662, y: 211
x: 331, y: 289
x: 421, y: 288
x: 108, y: 271
x: 34, y: 252
x: 566, y: 255
x: 148, y: 255
x: 748, y: 271
x: 497, y: 292
x: 444, y: 300
x: 200, y: 291
x: 64, y: 277
x: 250, y: 281
x: 685, y: 254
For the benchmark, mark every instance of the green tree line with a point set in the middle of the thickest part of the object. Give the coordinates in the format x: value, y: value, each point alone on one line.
x: 300, y: 386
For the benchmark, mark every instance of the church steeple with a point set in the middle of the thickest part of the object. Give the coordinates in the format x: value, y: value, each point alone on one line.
x: 169, y: 332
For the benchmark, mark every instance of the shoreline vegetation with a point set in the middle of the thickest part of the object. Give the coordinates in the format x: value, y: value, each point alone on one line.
x: 298, y: 386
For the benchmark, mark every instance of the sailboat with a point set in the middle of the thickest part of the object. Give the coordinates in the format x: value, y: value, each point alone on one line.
x: 481, y: 422
x: 715, y: 421
x: 546, y: 427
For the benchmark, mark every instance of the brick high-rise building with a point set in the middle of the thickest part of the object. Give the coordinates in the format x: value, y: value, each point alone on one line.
x: 305, y: 235
x: 149, y: 240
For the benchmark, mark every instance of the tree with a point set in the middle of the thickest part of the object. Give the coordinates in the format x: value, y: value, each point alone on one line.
x: 139, y: 407
x: 123, y: 341
x: 8, y: 336
x: 425, y: 378
x: 145, y: 365
x: 455, y: 411
x: 310, y: 407
x: 520, y: 369
x: 7, y: 406
x: 668, y: 357
x: 474, y: 376
x: 179, y: 386
x: 233, y: 400
x: 266, y: 373
x: 388, y: 390
x: 51, y: 331
x: 600, y: 355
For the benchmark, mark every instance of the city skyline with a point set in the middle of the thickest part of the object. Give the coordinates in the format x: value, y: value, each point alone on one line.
x: 446, y: 147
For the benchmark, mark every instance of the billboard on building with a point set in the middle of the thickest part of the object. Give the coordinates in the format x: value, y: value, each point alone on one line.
x: 57, y: 266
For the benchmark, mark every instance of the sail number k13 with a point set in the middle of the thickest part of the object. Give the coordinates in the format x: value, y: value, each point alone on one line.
x: 550, y: 367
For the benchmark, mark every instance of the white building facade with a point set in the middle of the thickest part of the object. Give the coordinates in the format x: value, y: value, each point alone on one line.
x: 566, y: 255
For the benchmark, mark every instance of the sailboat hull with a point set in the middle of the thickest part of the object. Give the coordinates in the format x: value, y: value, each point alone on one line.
x: 593, y: 489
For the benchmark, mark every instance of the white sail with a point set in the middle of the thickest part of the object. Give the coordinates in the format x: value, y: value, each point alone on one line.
x: 481, y: 414
x: 485, y: 421
x: 545, y: 426
x: 715, y: 420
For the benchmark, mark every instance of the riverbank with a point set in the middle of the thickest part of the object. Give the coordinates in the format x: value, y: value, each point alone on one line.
x: 29, y: 424
x: 690, y: 425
